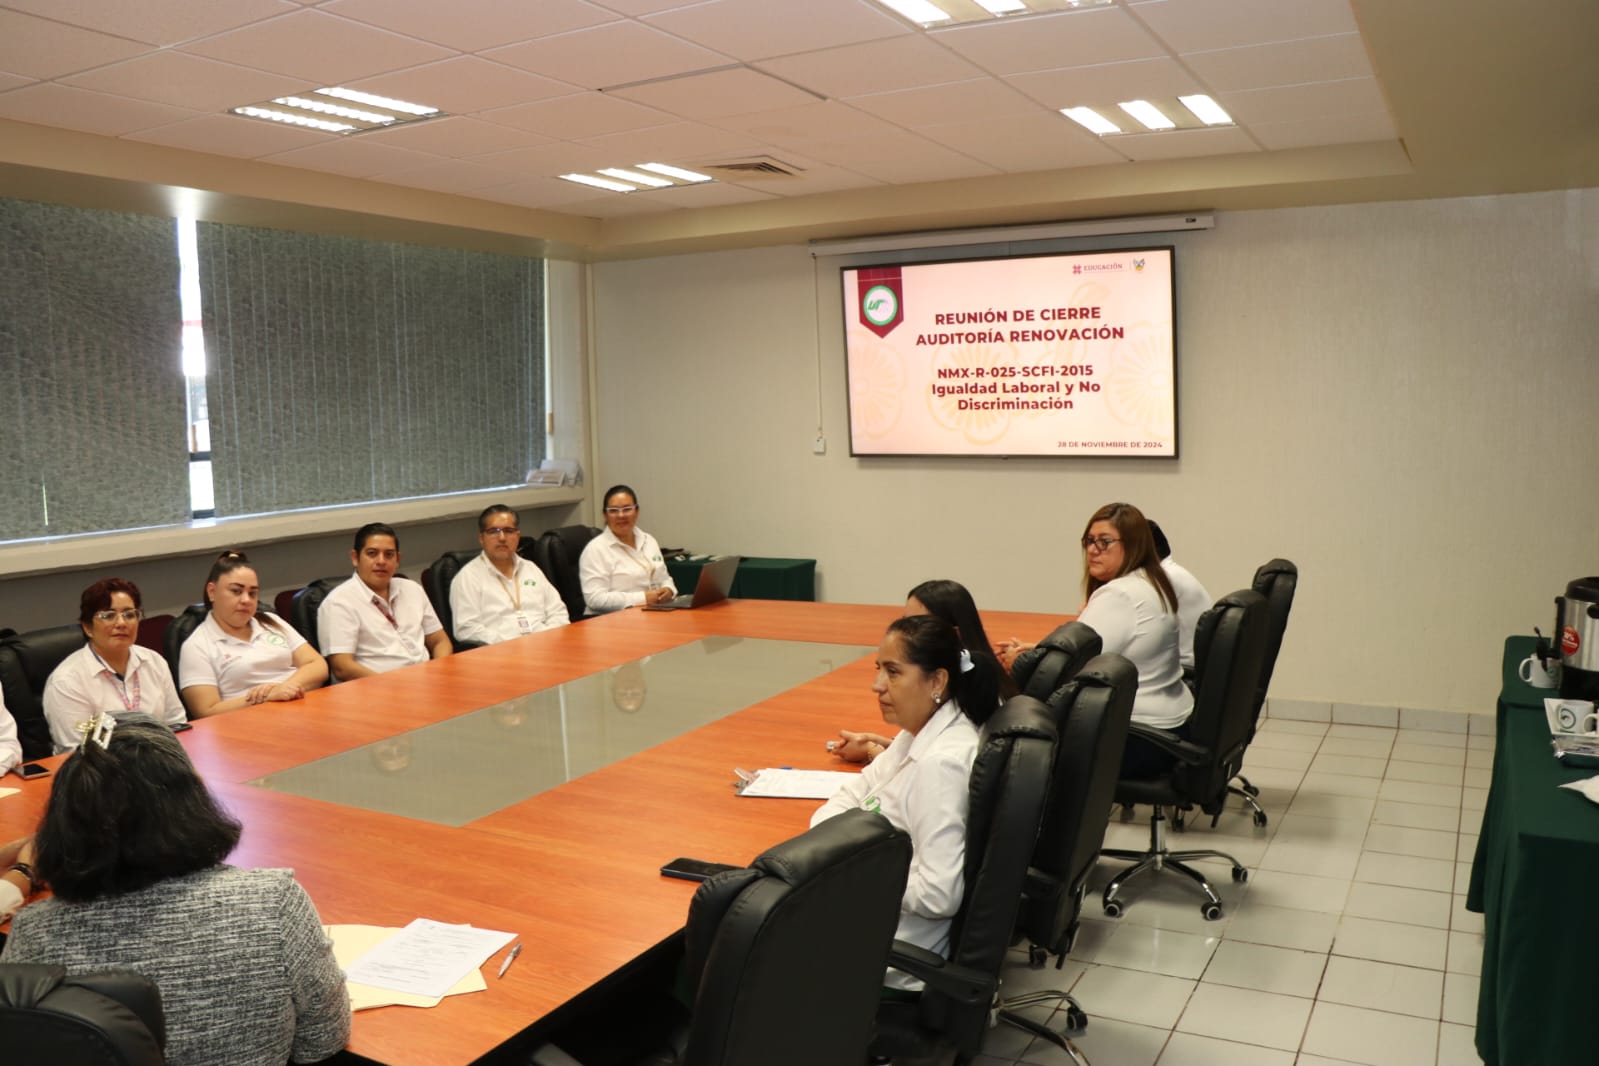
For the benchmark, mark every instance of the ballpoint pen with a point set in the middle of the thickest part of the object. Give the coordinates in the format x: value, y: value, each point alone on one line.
x: 510, y: 957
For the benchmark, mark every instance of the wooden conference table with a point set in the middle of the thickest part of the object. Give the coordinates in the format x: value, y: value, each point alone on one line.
x: 572, y: 870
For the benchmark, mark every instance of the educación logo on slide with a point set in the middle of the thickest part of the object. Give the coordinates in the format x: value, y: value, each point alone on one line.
x: 880, y: 305
x: 880, y: 298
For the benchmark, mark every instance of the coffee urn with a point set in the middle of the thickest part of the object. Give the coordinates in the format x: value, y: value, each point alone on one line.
x: 1577, y: 639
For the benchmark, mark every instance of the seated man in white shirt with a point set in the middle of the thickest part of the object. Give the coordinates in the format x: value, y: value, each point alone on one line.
x: 1192, y: 599
x: 375, y: 621
x: 500, y: 595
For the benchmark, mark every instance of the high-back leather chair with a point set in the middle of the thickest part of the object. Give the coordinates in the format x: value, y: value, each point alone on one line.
x: 26, y: 661
x: 1009, y: 782
x: 153, y: 632
x: 1046, y: 666
x: 1092, y: 712
x: 98, y: 1019
x: 302, y: 612
x: 1228, y: 645
x: 179, y: 630
x: 1276, y: 581
x: 557, y: 552
x: 283, y: 605
x: 436, y: 581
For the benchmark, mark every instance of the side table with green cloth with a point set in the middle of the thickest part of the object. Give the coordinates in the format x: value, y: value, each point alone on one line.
x: 1535, y: 879
x: 757, y: 579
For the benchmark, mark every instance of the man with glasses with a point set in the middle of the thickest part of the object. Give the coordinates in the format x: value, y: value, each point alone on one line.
x: 500, y: 595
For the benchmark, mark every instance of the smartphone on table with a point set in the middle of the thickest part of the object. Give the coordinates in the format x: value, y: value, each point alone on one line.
x: 694, y: 869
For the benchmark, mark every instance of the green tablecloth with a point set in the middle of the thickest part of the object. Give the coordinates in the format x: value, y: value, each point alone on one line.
x: 1536, y: 881
x: 757, y: 579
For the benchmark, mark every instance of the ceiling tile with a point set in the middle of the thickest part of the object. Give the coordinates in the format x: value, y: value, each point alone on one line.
x: 814, y: 177
x: 617, y: 53
x: 38, y: 48
x: 680, y: 143
x: 712, y: 194
x: 79, y: 109
x: 1260, y: 66
x: 161, y: 23
x: 354, y: 157
x: 1183, y: 144
x: 1200, y: 25
x: 937, y: 163
x: 958, y: 102
x: 580, y: 115
x: 231, y: 135
x: 1336, y: 129
x: 873, y: 67
x: 463, y: 85
x: 472, y: 25
x: 535, y: 192
x: 549, y: 160
x: 1293, y: 103
x: 1024, y: 143
x: 724, y: 92
x: 797, y: 126
x: 1107, y: 83
x: 1049, y: 42
x: 760, y: 29
x: 184, y: 80
x: 12, y: 81
x: 644, y: 7
x: 455, y: 135
x: 446, y: 175
x: 319, y: 48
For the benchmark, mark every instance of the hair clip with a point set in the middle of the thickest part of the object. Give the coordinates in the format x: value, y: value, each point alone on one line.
x: 97, y: 730
x: 966, y: 660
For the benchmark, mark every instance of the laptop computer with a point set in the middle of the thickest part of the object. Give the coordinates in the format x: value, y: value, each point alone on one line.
x: 716, y: 577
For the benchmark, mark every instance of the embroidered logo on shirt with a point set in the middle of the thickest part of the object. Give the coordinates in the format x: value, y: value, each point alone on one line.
x: 872, y: 803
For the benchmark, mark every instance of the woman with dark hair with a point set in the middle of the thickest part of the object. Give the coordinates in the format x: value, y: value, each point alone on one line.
x: 110, y: 672
x: 938, y: 697
x: 622, y: 567
x: 242, y: 655
x: 131, y: 845
x: 949, y: 601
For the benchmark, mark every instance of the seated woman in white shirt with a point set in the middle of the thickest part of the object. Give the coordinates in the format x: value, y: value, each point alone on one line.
x: 622, y: 567
x: 938, y: 696
x: 110, y: 672
x: 241, y: 655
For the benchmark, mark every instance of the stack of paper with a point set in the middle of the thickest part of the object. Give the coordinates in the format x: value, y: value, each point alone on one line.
x: 415, y: 966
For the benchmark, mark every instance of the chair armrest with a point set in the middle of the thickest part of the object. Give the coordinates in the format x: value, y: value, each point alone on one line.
x: 960, y: 983
x: 467, y: 645
x: 1170, y: 743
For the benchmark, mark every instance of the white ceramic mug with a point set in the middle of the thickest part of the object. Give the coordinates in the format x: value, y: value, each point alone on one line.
x: 1575, y: 717
x: 1540, y: 673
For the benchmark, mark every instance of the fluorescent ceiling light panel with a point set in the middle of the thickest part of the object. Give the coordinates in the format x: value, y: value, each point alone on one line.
x: 1090, y: 119
x: 385, y: 102
x: 918, y: 11
x: 676, y: 173
x: 598, y: 183
x: 1206, y: 110
x: 324, y: 108
x: 1002, y: 7
x: 1148, y: 115
x: 294, y: 120
x: 636, y: 178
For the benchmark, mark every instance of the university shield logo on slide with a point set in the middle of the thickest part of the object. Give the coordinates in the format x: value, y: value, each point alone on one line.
x: 881, y: 298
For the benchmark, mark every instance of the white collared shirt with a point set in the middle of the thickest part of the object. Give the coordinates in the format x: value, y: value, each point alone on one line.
x: 922, y: 784
x: 484, y: 601
x: 10, y: 745
x: 1192, y: 601
x: 350, y: 623
x: 83, y: 686
x: 615, y: 576
x: 1132, y: 620
x: 233, y: 666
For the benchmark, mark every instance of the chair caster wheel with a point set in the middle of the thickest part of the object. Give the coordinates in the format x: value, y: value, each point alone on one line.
x: 1113, y: 908
x: 1076, y: 1020
x: 1211, y: 911
x: 1240, y: 874
x: 1260, y: 819
x: 1037, y: 956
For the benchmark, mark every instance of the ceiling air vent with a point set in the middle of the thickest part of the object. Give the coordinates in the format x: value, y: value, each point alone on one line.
x: 753, y: 168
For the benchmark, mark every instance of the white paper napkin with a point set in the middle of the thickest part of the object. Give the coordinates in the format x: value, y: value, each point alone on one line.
x: 1588, y: 786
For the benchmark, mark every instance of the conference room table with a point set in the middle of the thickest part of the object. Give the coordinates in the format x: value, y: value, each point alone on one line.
x: 1535, y: 879
x: 487, y: 789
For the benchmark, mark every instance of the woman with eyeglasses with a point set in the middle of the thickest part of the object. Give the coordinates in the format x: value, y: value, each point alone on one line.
x: 241, y: 655
x: 110, y: 672
x: 1133, y: 607
x: 622, y: 567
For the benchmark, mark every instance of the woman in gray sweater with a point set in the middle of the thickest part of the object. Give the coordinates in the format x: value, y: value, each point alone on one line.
x: 132, y: 845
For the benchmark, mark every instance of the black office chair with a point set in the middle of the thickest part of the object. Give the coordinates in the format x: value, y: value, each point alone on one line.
x: 1228, y: 644
x: 436, y: 581
x: 1041, y: 670
x: 179, y: 630
x: 1009, y: 782
x: 302, y: 612
x: 1092, y: 714
x: 1277, y: 581
x: 26, y: 661
x: 98, y: 1019
x: 557, y: 553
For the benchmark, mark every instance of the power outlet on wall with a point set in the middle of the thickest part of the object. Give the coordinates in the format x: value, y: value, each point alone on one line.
x: 820, y: 447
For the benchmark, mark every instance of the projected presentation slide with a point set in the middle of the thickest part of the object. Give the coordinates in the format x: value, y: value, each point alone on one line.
x: 1065, y: 355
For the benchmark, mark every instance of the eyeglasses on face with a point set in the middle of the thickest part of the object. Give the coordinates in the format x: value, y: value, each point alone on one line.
x: 629, y: 509
x: 1099, y: 543
x: 502, y: 531
x: 129, y: 615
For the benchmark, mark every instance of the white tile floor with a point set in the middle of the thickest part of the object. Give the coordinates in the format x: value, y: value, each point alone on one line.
x: 1350, y: 942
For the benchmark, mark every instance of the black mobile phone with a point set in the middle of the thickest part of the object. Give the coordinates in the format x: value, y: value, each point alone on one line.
x: 32, y: 769
x: 694, y: 869
x: 182, y: 726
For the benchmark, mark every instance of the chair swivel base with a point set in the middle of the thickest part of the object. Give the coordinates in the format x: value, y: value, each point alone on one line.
x: 1248, y: 797
x: 1076, y: 1020
x: 1159, y: 858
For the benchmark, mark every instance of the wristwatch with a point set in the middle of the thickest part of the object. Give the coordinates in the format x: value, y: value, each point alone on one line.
x: 26, y: 871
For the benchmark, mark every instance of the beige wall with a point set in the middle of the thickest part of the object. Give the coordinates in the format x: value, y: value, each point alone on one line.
x: 1399, y: 397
